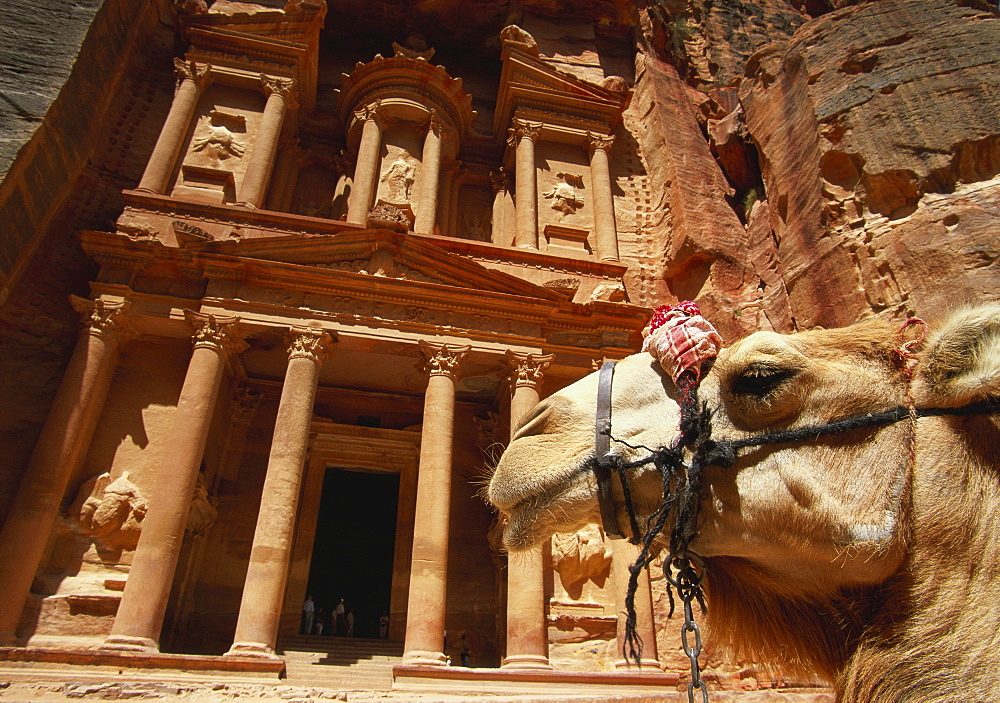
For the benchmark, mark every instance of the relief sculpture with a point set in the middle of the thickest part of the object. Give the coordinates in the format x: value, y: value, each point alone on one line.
x: 563, y: 194
x: 217, y: 139
x: 398, y: 181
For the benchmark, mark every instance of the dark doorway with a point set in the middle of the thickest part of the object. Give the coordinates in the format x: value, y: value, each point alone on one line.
x: 353, y: 551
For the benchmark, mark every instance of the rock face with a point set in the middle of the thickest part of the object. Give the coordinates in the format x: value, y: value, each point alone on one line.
x: 875, y: 129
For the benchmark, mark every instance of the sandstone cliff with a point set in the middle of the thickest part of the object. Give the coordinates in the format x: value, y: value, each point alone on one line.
x: 847, y: 166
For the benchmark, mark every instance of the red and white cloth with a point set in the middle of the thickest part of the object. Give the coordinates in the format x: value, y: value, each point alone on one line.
x: 681, y: 339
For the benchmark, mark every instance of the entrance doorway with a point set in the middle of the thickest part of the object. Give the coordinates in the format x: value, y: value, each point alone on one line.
x: 353, y: 550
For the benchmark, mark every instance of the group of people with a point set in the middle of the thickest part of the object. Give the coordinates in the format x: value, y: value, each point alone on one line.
x: 340, y: 622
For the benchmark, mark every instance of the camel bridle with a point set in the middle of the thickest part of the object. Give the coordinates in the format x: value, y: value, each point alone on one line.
x: 695, y: 439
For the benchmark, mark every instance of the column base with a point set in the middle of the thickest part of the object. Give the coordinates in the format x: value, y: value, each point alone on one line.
x: 126, y: 643
x: 420, y: 658
x: 8, y: 639
x: 248, y: 206
x: 256, y: 650
x: 526, y: 661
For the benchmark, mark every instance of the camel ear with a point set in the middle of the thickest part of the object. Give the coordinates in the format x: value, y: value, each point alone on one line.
x: 961, y: 361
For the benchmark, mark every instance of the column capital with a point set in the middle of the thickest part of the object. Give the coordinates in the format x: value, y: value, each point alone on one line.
x: 104, y: 318
x: 221, y: 333
x: 526, y: 369
x: 523, y: 129
x: 285, y: 87
x: 599, y: 141
x: 500, y: 180
x: 374, y: 111
x: 200, y: 73
x: 309, y: 343
x: 434, y: 124
x: 441, y: 359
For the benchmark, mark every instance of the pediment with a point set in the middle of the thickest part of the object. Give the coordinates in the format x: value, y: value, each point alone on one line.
x: 528, y: 81
x: 378, y: 254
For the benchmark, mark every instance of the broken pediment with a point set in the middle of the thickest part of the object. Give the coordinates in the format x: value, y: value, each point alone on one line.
x: 532, y: 89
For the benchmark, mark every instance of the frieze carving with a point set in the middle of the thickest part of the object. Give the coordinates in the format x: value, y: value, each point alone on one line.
x: 202, y: 513
x: 245, y: 403
x: 309, y: 343
x: 523, y: 129
x: 189, y: 70
x: 218, y: 136
x: 388, y: 216
x: 186, y: 230
x: 500, y: 180
x: 110, y: 511
x: 563, y: 194
x: 414, y: 47
x: 486, y: 430
x: 442, y: 359
x: 526, y: 369
x: 581, y: 555
x: 599, y: 141
x: 139, y: 231
x: 104, y: 318
x: 520, y: 38
x: 220, y: 333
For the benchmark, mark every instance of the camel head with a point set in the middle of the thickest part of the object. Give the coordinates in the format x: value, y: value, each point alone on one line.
x: 802, y: 532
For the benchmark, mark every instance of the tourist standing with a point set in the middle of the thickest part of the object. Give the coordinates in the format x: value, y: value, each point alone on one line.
x: 383, y: 626
x: 339, y: 623
x: 308, y: 613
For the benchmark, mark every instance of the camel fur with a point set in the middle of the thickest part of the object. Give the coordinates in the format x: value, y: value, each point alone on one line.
x: 870, y: 557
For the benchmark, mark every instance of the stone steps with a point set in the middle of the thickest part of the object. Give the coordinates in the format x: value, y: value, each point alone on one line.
x: 340, y: 662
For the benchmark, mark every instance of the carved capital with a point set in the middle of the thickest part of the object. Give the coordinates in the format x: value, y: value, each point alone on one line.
x: 245, y: 403
x: 525, y: 369
x: 523, y: 129
x: 599, y: 141
x: 376, y: 112
x: 285, y: 87
x: 500, y: 180
x: 309, y: 343
x: 220, y: 333
x: 106, y: 319
x: 442, y: 359
x: 199, y: 73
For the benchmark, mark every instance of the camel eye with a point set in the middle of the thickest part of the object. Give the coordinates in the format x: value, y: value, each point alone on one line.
x: 760, y: 380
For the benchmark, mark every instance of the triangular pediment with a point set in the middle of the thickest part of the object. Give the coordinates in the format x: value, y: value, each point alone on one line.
x: 378, y: 254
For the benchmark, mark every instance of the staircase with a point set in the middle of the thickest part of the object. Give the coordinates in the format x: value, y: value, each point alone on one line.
x: 345, y: 663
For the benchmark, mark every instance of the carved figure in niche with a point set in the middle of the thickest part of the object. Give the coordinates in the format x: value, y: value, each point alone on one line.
x: 563, y: 194
x: 398, y: 180
x: 110, y: 511
x: 217, y: 138
x: 477, y: 228
x: 202, y: 514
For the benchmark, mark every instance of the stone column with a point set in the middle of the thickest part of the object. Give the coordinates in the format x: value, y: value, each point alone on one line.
x: 523, y: 136
x: 498, y: 232
x: 425, y: 609
x: 527, y: 630
x: 430, y: 177
x: 366, y: 170
x: 59, y: 453
x: 457, y: 176
x: 290, y: 159
x: 280, y: 97
x: 144, y: 601
x: 193, y: 78
x: 444, y: 202
x: 605, y: 229
x: 623, y: 555
x: 263, y: 593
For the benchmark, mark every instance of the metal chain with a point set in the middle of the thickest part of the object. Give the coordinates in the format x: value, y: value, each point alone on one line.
x: 690, y: 574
